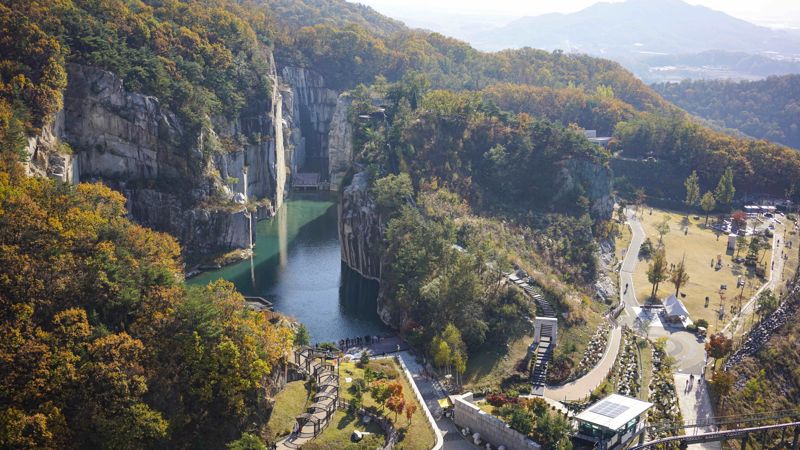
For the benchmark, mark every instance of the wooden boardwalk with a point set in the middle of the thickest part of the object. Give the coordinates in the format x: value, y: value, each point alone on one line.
x: 319, y: 414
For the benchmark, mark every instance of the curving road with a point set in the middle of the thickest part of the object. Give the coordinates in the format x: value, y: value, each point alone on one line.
x: 628, y: 295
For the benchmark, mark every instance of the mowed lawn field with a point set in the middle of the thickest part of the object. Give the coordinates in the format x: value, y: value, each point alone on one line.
x: 701, y: 246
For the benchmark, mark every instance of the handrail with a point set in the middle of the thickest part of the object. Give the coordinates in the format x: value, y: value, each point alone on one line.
x: 714, y: 435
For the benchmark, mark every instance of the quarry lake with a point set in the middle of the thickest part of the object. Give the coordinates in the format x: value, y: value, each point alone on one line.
x: 297, y: 266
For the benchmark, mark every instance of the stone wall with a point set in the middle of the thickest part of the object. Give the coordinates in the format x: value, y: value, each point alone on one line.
x: 491, y: 429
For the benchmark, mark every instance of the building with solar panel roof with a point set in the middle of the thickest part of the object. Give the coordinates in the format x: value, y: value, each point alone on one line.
x: 612, y: 422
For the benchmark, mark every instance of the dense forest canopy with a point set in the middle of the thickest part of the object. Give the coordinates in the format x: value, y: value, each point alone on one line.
x: 465, y: 189
x: 765, y: 109
x: 101, y: 345
x: 201, y: 59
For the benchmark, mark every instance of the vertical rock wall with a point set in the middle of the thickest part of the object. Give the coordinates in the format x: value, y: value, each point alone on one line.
x: 191, y: 186
x: 360, y: 229
x: 313, y: 107
x: 340, y: 141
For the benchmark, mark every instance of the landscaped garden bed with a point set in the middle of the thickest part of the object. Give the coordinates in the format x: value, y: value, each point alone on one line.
x: 378, y: 387
x: 665, y: 410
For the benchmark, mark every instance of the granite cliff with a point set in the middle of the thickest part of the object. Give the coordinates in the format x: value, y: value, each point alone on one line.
x: 200, y: 187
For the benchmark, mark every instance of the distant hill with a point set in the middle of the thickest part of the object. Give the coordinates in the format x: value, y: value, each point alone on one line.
x: 711, y: 64
x: 766, y: 109
x: 658, y: 40
x: 639, y: 26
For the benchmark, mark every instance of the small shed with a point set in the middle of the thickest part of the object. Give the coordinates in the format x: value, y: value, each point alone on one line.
x: 674, y: 309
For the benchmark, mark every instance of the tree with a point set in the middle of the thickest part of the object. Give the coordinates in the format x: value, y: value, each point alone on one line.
x: 741, y: 242
x: 718, y: 346
x: 708, y: 203
x: 639, y: 199
x: 662, y: 228
x: 767, y: 303
x: 247, y: 442
x: 301, y: 336
x: 411, y: 408
x: 692, y: 190
x: 553, y: 431
x: 722, y: 383
x: 363, y: 360
x: 725, y: 189
x: 392, y: 191
x: 621, y: 212
x: 679, y: 276
x: 380, y: 392
x: 657, y: 271
x: 396, y: 404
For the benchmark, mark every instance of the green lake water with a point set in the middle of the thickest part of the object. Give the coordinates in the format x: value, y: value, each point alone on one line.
x: 297, y: 266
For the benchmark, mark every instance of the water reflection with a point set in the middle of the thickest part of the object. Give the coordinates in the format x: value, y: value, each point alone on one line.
x: 297, y: 266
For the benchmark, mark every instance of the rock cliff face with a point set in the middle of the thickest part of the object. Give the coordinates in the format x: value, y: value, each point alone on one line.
x: 191, y: 184
x: 340, y: 141
x: 596, y: 182
x: 312, y: 107
x: 360, y: 229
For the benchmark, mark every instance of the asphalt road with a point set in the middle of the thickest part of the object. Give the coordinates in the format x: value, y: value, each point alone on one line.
x: 628, y: 294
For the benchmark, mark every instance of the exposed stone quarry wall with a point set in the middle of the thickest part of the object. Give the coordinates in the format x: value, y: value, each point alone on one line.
x: 360, y: 229
x: 594, y: 179
x: 312, y: 109
x: 340, y: 141
x: 190, y: 186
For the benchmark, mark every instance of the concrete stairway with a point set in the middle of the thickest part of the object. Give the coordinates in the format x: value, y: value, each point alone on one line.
x: 543, y: 306
x: 538, y: 378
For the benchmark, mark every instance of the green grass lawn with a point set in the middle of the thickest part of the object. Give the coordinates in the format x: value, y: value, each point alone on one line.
x: 489, y: 366
x: 700, y: 246
x: 414, y: 436
x: 289, y: 403
x: 338, y: 435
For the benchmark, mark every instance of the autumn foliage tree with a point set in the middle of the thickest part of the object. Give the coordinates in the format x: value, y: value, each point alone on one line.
x: 718, y: 346
x: 101, y: 345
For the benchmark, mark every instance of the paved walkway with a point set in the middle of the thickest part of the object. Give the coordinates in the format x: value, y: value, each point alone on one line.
x: 774, y: 282
x: 627, y: 291
x: 696, y: 407
x: 584, y: 385
x: 431, y: 393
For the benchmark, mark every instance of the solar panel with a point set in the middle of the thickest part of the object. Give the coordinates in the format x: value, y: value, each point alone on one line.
x: 609, y: 409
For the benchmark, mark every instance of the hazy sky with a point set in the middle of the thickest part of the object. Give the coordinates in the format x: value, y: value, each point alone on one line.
x: 763, y: 12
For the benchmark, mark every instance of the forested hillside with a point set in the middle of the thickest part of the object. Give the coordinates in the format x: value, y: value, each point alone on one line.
x: 767, y: 109
x: 101, y: 345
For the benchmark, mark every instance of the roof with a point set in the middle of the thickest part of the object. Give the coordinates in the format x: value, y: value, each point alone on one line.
x: 674, y: 307
x: 614, y: 411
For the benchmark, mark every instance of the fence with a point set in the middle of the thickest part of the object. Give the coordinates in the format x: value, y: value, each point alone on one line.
x: 431, y: 423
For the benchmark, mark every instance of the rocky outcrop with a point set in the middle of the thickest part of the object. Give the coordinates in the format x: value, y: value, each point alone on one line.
x: 340, y: 141
x: 593, y: 179
x: 312, y: 108
x: 360, y: 229
x: 192, y: 183
x: 49, y: 157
